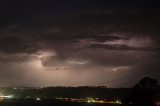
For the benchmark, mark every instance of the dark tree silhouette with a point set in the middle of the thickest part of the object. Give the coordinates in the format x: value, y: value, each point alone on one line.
x: 144, y: 91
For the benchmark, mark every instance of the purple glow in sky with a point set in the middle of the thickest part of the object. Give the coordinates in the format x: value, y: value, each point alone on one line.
x: 78, y: 43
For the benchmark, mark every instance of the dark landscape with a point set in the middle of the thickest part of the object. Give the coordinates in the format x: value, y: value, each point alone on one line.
x: 79, y: 53
x: 146, y: 92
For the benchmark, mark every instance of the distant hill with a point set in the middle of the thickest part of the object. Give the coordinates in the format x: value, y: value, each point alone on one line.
x: 75, y: 92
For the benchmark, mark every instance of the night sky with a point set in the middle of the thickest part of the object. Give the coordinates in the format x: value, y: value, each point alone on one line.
x: 79, y: 42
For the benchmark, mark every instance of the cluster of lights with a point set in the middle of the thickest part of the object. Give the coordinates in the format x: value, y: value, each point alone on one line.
x: 38, y: 99
x: 2, y: 97
x: 92, y: 100
x: 87, y: 100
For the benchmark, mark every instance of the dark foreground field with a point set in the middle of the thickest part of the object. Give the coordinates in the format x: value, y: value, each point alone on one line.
x: 49, y: 103
x: 55, y: 103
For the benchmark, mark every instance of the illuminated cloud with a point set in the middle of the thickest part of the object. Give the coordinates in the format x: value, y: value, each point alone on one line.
x: 78, y: 62
x: 114, y: 69
x: 53, y: 43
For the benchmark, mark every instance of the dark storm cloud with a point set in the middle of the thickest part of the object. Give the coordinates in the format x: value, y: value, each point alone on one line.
x: 76, y: 37
x: 49, y: 41
x: 12, y: 44
x: 123, y: 47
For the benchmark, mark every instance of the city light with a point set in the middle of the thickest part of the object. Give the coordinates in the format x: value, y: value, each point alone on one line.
x: 118, y: 102
x: 8, y: 97
x: 89, y: 101
x: 38, y: 99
